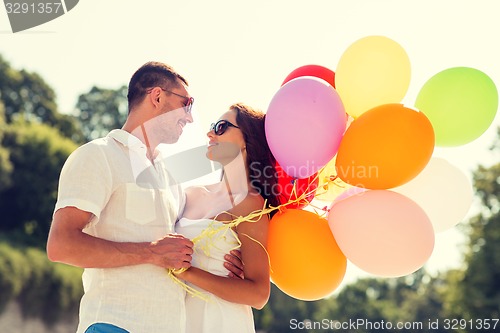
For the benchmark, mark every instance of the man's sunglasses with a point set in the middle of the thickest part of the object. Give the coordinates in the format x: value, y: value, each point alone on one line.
x: 188, y: 104
x: 188, y: 101
x: 221, y: 126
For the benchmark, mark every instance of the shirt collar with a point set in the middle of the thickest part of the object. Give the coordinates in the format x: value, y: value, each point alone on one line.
x: 127, y: 139
x: 130, y: 141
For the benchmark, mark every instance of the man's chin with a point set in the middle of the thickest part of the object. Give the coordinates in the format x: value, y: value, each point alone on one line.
x: 171, y: 140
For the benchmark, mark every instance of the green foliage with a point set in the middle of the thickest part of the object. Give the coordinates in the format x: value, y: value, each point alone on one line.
x: 43, y: 289
x: 281, y: 308
x: 5, y: 169
x: 416, y: 298
x: 452, y: 304
x: 478, y: 286
x: 5, y: 164
x: 27, y: 96
x: 13, y: 273
x: 101, y: 110
x: 37, y: 153
x: 49, y: 283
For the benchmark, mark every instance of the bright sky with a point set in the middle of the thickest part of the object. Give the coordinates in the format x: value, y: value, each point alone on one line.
x: 234, y: 51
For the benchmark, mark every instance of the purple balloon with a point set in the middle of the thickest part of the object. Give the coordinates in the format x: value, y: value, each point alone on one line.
x: 305, y: 122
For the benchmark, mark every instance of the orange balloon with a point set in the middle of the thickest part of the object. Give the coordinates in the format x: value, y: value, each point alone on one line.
x: 306, y: 262
x: 385, y: 147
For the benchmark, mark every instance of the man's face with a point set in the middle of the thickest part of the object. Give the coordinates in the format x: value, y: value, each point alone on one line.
x: 174, y: 115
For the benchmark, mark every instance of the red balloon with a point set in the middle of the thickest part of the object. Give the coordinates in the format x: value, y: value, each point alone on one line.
x: 312, y: 70
x: 290, y: 188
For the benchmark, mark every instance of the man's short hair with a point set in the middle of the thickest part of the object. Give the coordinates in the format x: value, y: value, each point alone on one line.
x: 151, y: 74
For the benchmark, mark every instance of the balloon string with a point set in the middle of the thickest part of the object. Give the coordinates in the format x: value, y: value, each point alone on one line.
x: 216, y: 230
x: 263, y: 247
x: 190, y: 290
x: 211, y: 234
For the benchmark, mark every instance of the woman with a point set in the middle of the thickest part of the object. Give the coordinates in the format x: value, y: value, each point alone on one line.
x: 238, y: 142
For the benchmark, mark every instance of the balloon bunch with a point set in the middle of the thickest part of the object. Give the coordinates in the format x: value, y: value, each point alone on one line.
x: 346, y: 138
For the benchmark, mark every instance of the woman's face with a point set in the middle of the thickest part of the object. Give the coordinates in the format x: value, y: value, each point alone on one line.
x: 230, y: 143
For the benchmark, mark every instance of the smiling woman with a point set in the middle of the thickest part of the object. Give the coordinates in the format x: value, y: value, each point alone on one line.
x: 224, y: 146
x: 221, y: 217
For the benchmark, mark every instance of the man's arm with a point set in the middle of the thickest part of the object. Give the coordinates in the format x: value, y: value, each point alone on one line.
x: 67, y: 243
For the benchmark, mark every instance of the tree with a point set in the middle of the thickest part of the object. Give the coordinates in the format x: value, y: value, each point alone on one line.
x: 362, y: 306
x: 281, y: 311
x: 27, y: 96
x: 363, y: 300
x: 478, y: 294
x: 43, y: 289
x: 101, y: 110
x: 37, y: 153
x: 5, y: 164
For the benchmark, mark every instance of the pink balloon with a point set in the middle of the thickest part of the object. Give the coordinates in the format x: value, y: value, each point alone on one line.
x: 305, y: 122
x: 382, y: 232
x: 348, y: 193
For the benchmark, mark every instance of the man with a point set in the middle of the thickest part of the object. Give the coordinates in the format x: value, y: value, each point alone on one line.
x: 116, y: 211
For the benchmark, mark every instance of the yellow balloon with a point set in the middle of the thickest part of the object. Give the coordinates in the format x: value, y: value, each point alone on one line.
x: 374, y: 70
x: 330, y: 186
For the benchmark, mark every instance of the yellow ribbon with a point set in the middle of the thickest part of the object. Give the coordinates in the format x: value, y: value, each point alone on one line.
x: 214, y: 231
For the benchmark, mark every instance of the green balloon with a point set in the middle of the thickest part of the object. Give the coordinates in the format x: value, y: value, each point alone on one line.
x: 460, y: 102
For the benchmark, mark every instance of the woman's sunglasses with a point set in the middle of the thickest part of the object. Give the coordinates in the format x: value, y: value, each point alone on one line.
x: 221, y: 126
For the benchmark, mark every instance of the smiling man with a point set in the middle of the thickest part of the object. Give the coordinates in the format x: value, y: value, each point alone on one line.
x: 117, y: 223
x: 116, y: 209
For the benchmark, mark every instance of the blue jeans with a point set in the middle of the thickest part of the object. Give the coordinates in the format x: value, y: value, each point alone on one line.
x: 104, y: 328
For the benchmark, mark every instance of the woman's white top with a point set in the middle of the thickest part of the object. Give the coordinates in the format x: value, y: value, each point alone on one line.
x: 213, y: 314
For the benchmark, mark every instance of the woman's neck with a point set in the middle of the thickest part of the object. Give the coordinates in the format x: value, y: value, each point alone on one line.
x: 235, y: 176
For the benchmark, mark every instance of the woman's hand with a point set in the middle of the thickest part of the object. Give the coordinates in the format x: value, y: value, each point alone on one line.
x: 234, y: 264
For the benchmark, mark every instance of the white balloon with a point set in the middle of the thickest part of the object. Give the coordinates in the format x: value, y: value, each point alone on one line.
x: 443, y: 191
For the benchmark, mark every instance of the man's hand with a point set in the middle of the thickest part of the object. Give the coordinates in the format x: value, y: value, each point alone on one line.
x: 172, y: 251
x: 234, y: 264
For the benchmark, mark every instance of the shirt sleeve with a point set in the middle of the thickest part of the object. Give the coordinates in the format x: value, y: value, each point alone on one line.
x: 182, y: 201
x: 85, y: 180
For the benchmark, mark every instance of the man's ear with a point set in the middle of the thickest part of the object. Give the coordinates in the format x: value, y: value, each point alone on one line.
x: 154, y: 95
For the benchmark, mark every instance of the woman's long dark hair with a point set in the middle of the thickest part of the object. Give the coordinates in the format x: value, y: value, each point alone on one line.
x: 260, y: 160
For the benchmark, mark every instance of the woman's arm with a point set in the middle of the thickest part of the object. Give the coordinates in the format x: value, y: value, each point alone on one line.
x: 254, y: 289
